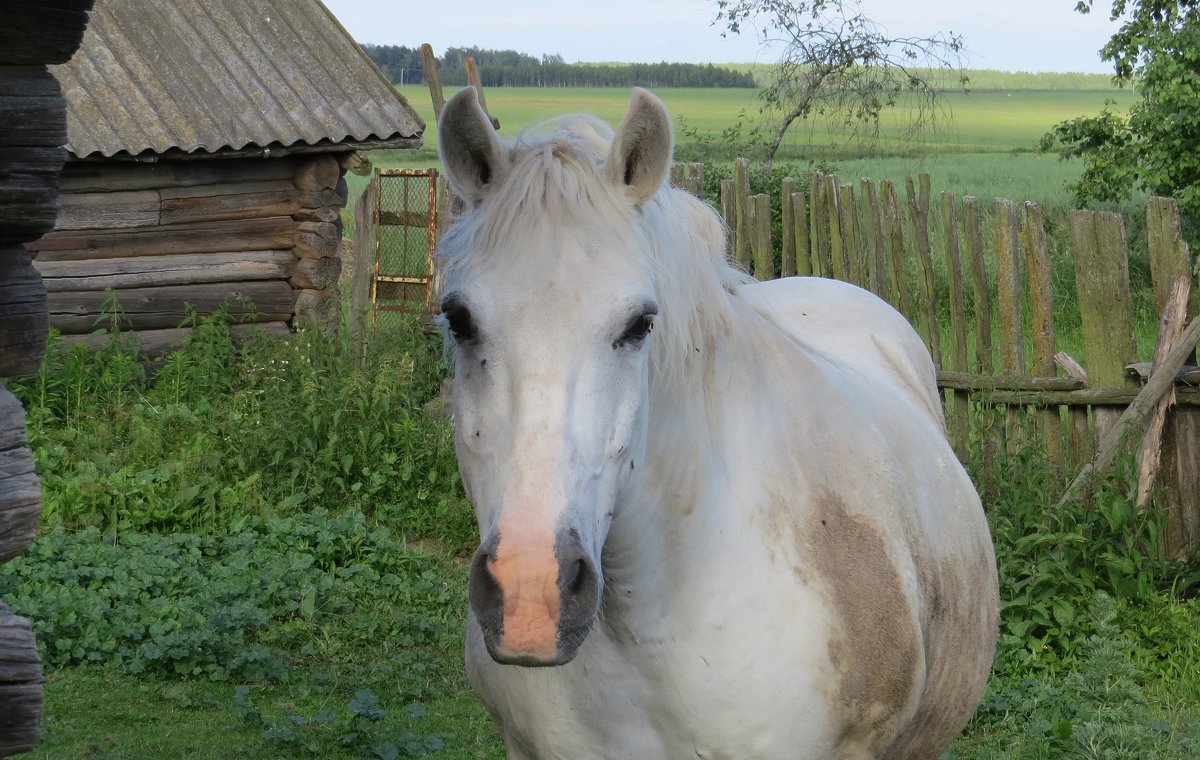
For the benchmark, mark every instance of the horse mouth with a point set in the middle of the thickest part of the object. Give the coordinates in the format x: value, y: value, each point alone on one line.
x: 567, y: 647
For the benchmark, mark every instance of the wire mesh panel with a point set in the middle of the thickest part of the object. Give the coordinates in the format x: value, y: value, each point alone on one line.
x: 405, y: 240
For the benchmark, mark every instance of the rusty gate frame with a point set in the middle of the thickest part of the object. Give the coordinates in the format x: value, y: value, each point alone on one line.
x: 431, y: 247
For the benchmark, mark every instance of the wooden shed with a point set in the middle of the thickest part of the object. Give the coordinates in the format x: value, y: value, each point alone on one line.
x: 207, y: 145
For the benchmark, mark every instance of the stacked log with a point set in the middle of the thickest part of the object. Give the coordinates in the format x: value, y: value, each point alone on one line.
x: 33, y: 130
x: 260, y: 236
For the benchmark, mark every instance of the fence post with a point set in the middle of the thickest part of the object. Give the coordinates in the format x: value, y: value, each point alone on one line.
x: 741, y: 195
x: 876, y: 269
x: 787, y: 260
x: 1041, y: 301
x: 800, y: 236
x: 958, y: 422
x: 760, y: 237
x: 918, y: 209
x: 851, y: 235
x: 365, y: 230
x: 895, y: 233
x: 979, y: 276
x: 729, y: 214
x: 1179, y: 469
x: 1105, y: 308
x: 818, y: 225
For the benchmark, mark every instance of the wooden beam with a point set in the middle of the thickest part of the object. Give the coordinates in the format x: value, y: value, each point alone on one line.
x: 24, y: 323
x: 1133, y: 419
x: 272, y: 233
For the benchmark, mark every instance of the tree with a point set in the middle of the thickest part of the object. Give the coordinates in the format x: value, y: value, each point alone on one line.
x: 1156, y: 146
x: 838, y: 63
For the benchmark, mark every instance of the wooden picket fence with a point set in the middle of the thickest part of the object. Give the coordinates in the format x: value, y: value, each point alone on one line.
x: 976, y: 281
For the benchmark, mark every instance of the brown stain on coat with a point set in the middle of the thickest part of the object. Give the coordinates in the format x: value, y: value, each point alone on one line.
x: 875, y: 647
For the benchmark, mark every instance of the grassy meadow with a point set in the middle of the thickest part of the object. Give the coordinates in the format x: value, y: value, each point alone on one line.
x: 260, y: 551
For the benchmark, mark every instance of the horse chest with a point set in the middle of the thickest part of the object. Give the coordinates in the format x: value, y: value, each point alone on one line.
x: 718, y: 683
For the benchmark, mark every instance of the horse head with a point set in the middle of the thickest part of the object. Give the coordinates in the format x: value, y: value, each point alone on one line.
x: 549, y: 301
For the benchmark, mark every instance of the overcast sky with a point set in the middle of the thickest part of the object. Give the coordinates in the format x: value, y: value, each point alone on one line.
x: 1012, y: 35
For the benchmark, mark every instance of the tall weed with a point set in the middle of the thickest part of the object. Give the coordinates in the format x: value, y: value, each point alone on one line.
x: 222, y: 432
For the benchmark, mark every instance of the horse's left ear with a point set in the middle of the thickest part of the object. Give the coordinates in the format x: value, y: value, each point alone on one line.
x: 641, y: 151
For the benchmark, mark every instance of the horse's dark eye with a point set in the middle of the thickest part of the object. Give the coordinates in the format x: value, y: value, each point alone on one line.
x: 637, y: 330
x: 458, y: 320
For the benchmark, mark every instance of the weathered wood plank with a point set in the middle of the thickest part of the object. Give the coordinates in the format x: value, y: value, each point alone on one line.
x: 800, y: 235
x: 1133, y: 419
x: 314, y: 274
x: 759, y: 224
x: 317, y: 173
x: 1169, y: 254
x: 839, y: 266
x: 898, y: 279
x: 729, y: 216
x: 118, y: 210
x: 20, y: 685
x: 979, y: 278
x: 42, y: 31
x: 20, y: 491
x: 166, y: 307
x: 204, y: 237
x: 787, y: 260
x: 958, y: 422
x: 1170, y: 327
x: 364, y: 266
x: 876, y: 256
x: 97, y: 176
x: 1101, y: 259
x: 237, y: 205
x: 316, y: 240
x: 1009, y: 292
x: 968, y: 381
x: 918, y: 211
x: 24, y: 324
x: 741, y: 198
x: 154, y: 271
x: 429, y: 62
x: 818, y: 225
x: 33, y: 113
x: 1041, y: 309
x: 851, y: 236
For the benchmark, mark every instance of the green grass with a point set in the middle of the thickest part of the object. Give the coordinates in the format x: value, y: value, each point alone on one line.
x: 982, y: 121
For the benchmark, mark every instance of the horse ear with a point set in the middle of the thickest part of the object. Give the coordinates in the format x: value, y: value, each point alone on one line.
x: 471, y: 152
x: 641, y: 151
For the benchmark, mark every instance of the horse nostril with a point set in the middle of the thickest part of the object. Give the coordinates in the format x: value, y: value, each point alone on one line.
x: 575, y: 577
x: 484, y: 592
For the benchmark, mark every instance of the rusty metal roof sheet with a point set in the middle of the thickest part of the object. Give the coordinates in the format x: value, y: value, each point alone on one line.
x: 207, y: 75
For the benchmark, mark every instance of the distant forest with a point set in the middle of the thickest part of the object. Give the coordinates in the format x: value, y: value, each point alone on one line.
x: 508, y: 68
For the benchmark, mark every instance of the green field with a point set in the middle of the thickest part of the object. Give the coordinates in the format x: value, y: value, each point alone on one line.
x: 979, y: 122
x: 987, y: 147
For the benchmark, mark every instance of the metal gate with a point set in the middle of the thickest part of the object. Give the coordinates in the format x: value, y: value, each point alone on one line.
x: 405, y: 241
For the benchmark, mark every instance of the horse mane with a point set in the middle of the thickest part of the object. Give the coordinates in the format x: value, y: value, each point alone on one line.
x: 556, y: 178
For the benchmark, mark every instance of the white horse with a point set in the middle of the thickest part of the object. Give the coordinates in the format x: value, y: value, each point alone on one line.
x: 741, y: 534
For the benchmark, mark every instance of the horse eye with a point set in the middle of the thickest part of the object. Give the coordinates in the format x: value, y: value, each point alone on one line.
x: 637, y: 330
x: 458, y: 320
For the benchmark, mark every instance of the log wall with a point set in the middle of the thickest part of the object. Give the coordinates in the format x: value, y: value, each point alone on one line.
x: 33, y: 130
x: 259, y: 235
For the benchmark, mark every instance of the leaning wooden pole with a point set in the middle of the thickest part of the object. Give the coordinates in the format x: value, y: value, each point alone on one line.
x: 1133, y: 420
x: 429, y: 62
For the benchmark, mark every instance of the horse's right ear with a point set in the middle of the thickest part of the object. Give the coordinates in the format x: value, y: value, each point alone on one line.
x: 471, y: 152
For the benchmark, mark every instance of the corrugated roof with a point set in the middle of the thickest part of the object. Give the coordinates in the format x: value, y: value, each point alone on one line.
x: 207, y: 75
